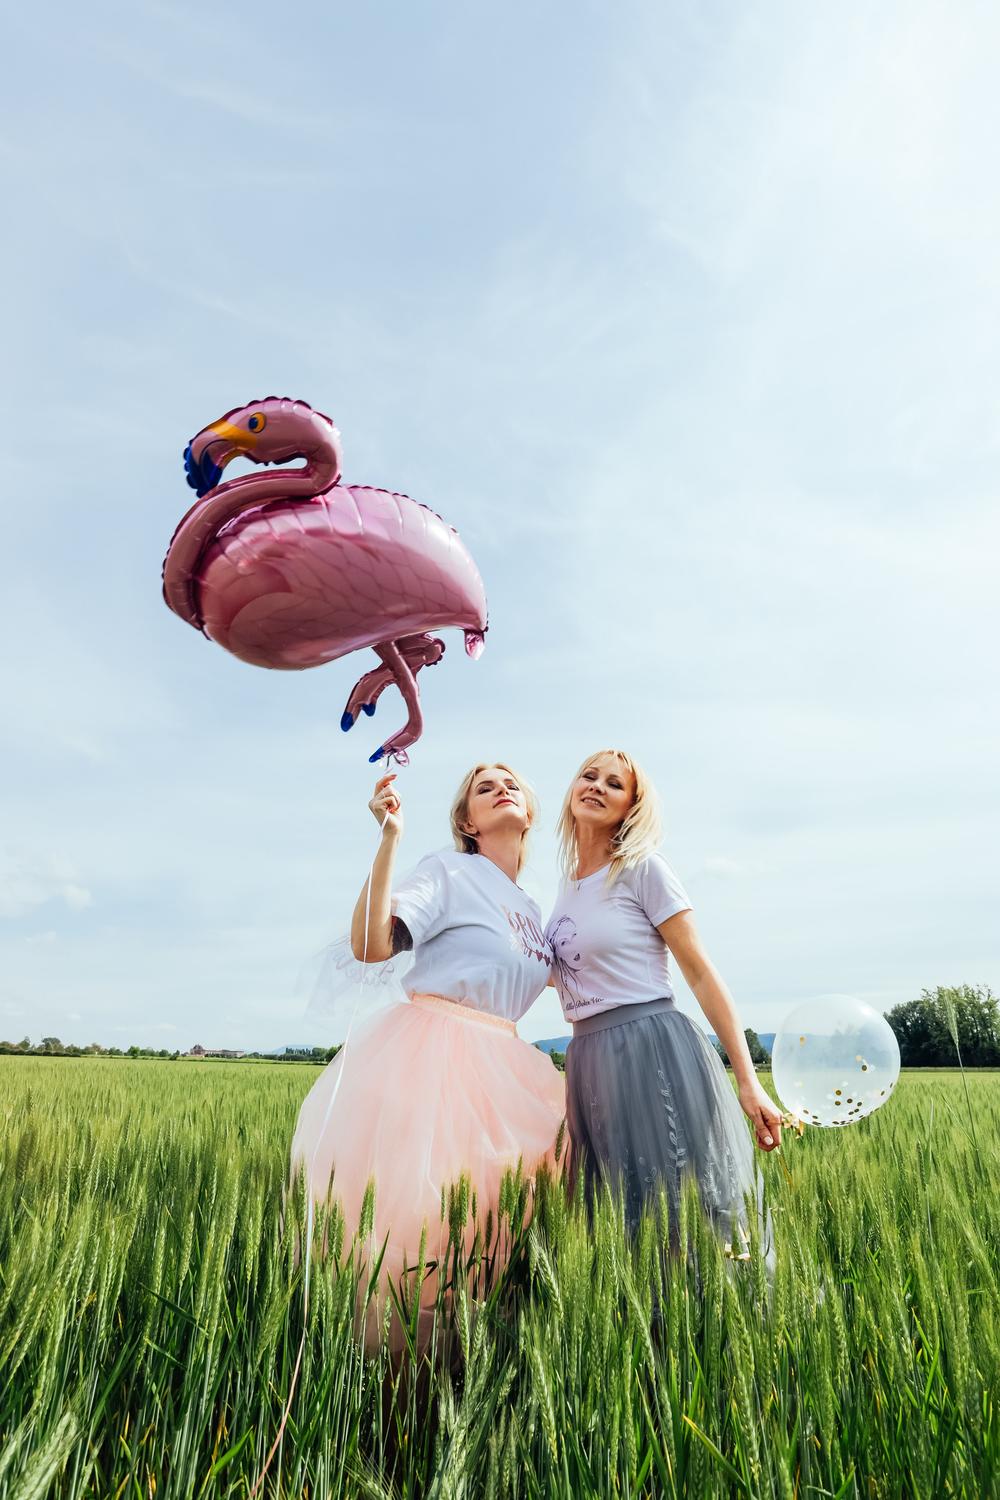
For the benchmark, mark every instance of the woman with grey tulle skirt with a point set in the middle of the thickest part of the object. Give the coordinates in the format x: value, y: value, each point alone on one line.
x: 648, y: 1098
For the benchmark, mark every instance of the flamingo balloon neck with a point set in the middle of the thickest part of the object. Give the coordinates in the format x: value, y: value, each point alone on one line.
x: 222, y: 505
x: 319, y: 474
x: 264, y: 485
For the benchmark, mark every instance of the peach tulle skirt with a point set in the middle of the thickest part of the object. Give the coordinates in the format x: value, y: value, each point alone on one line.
x: 424, y: 1093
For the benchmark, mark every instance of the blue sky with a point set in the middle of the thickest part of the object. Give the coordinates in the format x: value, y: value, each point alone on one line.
x: 685, y: 316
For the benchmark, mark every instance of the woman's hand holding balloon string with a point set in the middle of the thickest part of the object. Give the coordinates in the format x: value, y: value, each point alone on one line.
x: 763, y: 1114
x: 386, y: 807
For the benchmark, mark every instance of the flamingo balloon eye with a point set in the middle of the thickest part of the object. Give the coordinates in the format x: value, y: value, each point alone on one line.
x: 257, y: 422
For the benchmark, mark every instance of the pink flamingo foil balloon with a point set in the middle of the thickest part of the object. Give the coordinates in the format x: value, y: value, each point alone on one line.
x: 293, y: 569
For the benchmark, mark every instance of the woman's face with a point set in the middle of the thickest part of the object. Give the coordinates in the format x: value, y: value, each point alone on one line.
x: 496, y: 802
x: 603, y: 794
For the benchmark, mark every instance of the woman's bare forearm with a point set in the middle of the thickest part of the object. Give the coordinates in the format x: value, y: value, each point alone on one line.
x: 379, y: 913
x: 709, y: 989
x: 712, y: 995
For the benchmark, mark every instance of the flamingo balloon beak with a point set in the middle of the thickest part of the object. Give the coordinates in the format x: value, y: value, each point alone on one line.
x: 206, y: 455
x: 201, y: 476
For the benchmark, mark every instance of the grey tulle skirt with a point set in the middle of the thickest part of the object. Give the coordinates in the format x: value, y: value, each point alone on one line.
x: 649, y: 1101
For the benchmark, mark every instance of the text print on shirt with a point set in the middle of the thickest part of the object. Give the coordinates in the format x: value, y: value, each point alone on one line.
x: 526, y: 935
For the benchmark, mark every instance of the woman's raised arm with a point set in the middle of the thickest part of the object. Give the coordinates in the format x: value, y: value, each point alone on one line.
x: 376, y: 946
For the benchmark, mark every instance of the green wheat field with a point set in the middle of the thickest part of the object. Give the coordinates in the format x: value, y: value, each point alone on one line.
x: 151, y: 1309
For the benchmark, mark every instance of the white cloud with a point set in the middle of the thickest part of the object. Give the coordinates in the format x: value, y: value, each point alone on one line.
x: 30, y: 880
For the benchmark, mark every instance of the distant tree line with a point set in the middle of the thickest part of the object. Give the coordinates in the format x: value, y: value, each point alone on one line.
x: 51, y: 1046
x: 932, y: 1032
x: 962, y: 1016
x: 759, y: 1055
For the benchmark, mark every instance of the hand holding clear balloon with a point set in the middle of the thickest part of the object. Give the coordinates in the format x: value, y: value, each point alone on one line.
x: 763, y: 1114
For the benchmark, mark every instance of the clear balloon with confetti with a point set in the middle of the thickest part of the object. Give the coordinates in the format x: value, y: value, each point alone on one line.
x: 834, y: 1060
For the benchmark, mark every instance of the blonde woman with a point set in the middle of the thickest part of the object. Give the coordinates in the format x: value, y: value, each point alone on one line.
x: 441, y: 1085
x: 648, y: 1099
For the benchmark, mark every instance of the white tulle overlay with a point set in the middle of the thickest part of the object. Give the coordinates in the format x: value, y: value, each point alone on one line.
x: 427, y: 1091
x: 343, y: 992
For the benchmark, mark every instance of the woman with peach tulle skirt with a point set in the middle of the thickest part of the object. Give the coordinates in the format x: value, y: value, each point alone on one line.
x: 438, y: 1087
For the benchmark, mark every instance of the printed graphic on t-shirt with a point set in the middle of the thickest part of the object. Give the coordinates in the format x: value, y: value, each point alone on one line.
x: 563, y: 937
x: 526, y: 935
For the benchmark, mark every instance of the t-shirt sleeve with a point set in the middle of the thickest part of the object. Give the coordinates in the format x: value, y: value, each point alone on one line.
x: 421, y: 900
x: 658, y: 890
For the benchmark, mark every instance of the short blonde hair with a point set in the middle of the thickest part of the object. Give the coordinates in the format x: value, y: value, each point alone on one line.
x: 465, y: 842
x: 640, y: 831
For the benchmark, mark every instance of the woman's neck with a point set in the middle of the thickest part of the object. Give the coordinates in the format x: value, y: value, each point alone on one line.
x: 504, y: 850
x: 593, y: 851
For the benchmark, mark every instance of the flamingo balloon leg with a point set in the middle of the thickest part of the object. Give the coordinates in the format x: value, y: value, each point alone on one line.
x: 415, y: 651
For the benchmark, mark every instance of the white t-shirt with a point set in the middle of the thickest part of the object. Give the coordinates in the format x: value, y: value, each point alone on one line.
x: 606, y: 950
x: 477, y: 937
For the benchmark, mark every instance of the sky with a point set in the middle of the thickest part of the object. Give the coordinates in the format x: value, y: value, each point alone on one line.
x: 684, y: 314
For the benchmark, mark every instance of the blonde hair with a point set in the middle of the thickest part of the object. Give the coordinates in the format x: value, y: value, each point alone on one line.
x: 465, y: 843
x: 638, y: 835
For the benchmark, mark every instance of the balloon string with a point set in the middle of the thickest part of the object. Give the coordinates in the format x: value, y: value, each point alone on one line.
x: 310, y: 1204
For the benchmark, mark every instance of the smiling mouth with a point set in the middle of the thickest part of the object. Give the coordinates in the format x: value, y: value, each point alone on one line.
x: 591, y: 802
x: 504, y: 802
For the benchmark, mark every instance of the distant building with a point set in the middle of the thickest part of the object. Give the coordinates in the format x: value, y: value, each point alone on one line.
x: 199, y: 1051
